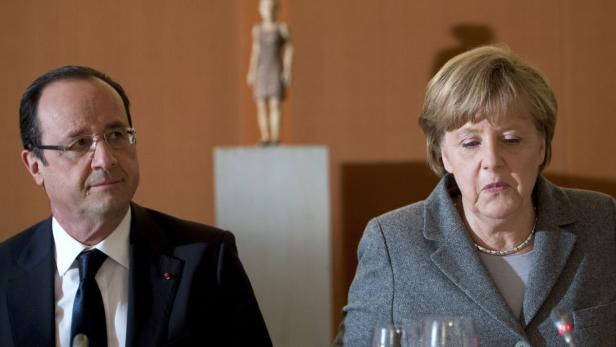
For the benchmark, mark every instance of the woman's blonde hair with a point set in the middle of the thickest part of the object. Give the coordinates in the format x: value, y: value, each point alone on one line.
x: 485, y: 82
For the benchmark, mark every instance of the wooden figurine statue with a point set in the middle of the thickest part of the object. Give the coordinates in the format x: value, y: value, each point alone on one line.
x: 270, y: 70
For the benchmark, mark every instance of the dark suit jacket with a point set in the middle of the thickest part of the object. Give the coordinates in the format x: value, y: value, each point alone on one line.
x: 207, y: 300
x: 419, y: 260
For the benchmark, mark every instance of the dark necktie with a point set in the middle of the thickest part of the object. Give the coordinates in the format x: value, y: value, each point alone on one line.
x: 88, y: 309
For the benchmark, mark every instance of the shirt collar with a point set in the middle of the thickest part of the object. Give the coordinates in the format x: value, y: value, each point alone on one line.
x: 115, y: 246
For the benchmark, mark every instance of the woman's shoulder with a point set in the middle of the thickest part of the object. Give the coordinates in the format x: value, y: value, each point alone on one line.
x: 571, y: 204
x: 587, y: 195
x: 592, y: 204
x: 413, y: 216
x: 402, y: 217
x: 587, y: 199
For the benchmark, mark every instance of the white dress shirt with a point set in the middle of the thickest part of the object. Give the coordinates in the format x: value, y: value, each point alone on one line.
x: 112, y: 279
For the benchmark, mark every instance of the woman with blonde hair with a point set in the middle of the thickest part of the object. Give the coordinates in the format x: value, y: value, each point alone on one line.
x: 495, y: 241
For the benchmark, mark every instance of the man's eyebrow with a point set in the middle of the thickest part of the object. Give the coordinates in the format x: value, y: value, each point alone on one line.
x: 75, y: 133
x: 82, y: 132
x: 116, y: 124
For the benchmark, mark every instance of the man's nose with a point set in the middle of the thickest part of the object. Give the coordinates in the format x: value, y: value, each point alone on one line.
x: 102, y: 155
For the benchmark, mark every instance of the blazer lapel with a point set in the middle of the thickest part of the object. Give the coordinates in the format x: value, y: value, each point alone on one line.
x: 470, y: 276
x: 30, y: 295
x: 553, y: 245
x: 457, y: 259
x: 153, y: 281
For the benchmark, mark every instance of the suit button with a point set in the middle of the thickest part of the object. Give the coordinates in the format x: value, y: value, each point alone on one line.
x: 522, y: 344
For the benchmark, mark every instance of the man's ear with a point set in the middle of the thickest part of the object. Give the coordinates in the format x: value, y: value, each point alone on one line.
x: 33, y: 164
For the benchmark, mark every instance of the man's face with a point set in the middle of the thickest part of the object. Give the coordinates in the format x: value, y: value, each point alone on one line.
x: 98, y: 184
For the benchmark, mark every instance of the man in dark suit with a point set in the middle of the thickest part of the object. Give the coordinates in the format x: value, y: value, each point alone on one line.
x: 104, y: 269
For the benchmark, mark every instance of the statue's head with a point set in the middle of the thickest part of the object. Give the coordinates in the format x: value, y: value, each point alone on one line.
x: 267, y: 8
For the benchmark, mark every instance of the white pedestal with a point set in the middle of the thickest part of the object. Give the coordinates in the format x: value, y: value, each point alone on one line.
x: 276, y: 202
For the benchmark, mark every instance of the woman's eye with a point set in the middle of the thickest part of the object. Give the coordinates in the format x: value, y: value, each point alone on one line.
x: 512, y: 140
x: 470, y: 144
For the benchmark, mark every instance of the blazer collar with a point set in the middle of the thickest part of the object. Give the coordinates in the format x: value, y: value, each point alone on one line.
x: 457, y: 258
x: 32, y: 304
x: 154, y: 277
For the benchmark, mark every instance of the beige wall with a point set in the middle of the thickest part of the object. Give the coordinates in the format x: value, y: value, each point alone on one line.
x: 360, y: 72
x: 179, y: 64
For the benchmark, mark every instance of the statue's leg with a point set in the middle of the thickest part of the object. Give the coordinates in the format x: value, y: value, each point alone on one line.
x: 262, y: 119
x: 274, y: 108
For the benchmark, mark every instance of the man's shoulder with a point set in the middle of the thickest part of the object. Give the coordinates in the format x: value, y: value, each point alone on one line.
x: 11, y: 248
x: 19, y: 240
x: 179, y: 230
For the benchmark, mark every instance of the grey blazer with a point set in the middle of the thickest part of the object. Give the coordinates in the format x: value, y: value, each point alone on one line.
x: 418, y: 260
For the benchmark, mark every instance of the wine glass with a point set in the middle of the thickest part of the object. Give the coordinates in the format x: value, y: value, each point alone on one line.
x: 447, y: 331
x: 411, y: 334
x: 387, y: 335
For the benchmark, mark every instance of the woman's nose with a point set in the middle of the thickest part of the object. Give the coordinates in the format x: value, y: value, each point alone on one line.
x: 491, y: 156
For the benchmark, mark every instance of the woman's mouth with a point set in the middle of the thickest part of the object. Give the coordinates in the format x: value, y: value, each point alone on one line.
x: 495, y: 187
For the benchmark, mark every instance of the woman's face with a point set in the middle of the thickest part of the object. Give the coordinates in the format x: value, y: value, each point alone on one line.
x: 495, y: 164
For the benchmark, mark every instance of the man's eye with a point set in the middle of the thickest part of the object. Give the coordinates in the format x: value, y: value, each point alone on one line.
x: 81, y: 144
x: 117, y: 138
x: 115, y: 135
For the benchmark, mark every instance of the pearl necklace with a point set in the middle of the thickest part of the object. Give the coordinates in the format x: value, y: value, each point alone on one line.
x: 515, y: 249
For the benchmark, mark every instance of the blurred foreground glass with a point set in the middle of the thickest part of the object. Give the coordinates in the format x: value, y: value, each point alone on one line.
x: 387, y: 336
x: 443, y: 331
x: 562, y: 323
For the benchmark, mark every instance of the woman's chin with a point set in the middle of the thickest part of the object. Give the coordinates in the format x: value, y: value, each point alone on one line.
x: 497, y: 211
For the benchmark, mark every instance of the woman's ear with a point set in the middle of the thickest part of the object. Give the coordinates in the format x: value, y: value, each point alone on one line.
x: 542, y: 152
x: 445, y: 161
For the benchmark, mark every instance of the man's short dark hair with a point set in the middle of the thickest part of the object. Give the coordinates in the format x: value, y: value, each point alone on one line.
x: 28, y: 119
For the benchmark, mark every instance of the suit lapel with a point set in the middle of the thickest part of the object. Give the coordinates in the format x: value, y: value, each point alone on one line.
x: 553, y: 245
x: 470, y: 276
x: 457, y: 259
x: 153, y: 281
x: 30, y: 295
